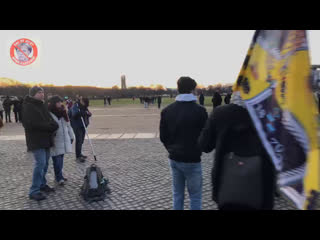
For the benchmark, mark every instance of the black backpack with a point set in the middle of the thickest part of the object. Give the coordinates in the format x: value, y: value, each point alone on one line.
x: 95, y: 186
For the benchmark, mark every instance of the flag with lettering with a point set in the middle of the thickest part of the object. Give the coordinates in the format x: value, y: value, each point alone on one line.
x: 275, y: 85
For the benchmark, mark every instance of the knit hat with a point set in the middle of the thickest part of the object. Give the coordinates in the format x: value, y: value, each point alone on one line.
x: 34, y: 90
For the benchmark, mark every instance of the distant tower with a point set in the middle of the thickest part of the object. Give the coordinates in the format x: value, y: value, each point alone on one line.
x: 123, y: 82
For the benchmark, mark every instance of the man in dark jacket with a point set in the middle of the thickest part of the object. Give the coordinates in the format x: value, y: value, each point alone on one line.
x: 105, y: 101
x: 201, y: 99
x: 159, y: 101
x: 20, y: 109
x: 216, y: 100
x: 180, y: 126
x: 230, y: 129
x: 80, y: 109
x: 17, y: 109
x: 227, y: 98
x: 146, y: 102
x: 39, y: 129
x: 7, y: 108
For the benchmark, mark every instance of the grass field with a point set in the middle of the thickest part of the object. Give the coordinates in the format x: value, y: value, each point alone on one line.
x: 129, y: 101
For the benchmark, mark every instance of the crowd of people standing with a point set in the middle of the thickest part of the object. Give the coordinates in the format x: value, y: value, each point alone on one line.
x: 6, y: 109
x: 50, y: 130
x: 186, y: 131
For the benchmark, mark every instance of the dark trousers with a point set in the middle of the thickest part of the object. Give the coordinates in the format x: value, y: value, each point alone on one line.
x: 57, y: 166
x: 20, y: 116
x: 1, y: 115
x: 17, y: 116
x: 159, y: 105
x: 80, y: 135
x: 8, y: 116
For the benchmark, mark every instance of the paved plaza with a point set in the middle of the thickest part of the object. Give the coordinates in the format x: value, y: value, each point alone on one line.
x: 126, y: 141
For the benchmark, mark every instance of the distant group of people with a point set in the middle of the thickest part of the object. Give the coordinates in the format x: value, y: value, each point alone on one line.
x: 216, y: 99
x: 146, y: 100
x: 50, y: 130
x: 105, y: 99
x: 6, y: 107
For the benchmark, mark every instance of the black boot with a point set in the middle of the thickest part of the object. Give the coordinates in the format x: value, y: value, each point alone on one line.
x: 47, y: 189
x: 38, y: 196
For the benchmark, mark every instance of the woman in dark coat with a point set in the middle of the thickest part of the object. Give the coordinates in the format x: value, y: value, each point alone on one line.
x: 220, y: 134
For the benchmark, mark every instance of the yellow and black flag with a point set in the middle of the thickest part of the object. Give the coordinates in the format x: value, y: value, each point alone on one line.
x: 275, y: 85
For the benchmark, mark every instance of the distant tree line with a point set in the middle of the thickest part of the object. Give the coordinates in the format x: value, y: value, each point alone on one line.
x: 220, y: 88
x: 114, y: 92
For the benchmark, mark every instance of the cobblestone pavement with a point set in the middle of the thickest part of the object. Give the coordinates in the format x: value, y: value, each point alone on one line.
x: 137, y: 169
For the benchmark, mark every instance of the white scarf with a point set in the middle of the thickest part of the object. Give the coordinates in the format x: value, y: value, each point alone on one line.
x: 186, y: 98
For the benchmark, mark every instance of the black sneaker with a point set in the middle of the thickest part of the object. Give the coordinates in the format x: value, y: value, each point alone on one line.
x: 38, y: 196
x: 65, y: 179
x: 47, y: 189
x: 83, y: 156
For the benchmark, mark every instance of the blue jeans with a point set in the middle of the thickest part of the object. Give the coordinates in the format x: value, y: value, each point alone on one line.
x: 190, y: 174
x: 57, y: 166
x: 41, y: 160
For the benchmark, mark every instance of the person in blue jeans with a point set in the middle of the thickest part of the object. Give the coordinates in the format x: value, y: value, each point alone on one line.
x: 189, y: 174
x: 39, y: 128
x: 63, y: 138
x: 39, y: 182
x: 180, y: 126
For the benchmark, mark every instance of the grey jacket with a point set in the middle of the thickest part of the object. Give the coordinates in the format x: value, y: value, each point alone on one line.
x: 62, y: 137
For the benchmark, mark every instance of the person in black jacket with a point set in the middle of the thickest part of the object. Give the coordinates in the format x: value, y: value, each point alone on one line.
x: 78, y: 112
x: 223, y: 133
x: 39, y: 128
x: 180, y: 126
x: 146, y: 102
x: 7, y: 108
x: 1, y: 109
x: 201, y: 99
x: 17, y: 107
x: 20, y: 109
x: 159, y: 102
x: 227, y: 99
x: 216, y: 100
x: 105, y: 101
